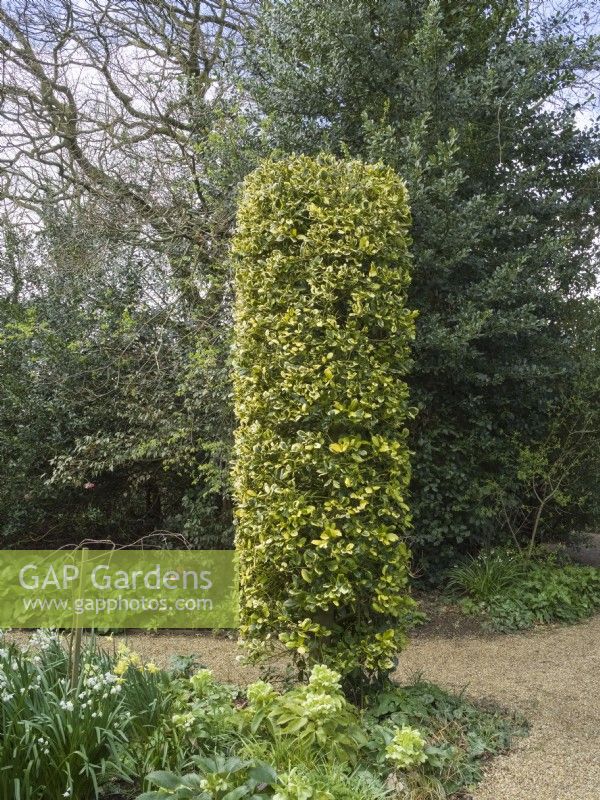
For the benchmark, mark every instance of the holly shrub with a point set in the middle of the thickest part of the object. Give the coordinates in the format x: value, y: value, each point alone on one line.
x: 321, y: 469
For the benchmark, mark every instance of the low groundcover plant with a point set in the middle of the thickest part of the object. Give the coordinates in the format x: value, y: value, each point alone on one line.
x: 513, y: 592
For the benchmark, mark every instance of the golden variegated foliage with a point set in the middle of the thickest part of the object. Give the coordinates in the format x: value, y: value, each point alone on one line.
x: 321, y: 460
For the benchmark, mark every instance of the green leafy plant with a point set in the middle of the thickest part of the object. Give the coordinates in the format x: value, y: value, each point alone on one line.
x: 329, y: 782
x: 321, y: 460
x: 183, y: 665
x: 217, y: 778
x: 232, y: 778
x: 212, y: 705
x: 121, y: 720
x: 198, y: 739
x: 406, y: 748
x: 515, y: 592
x: 317, y: 715
x: 182, y: 716
x: 156, y: 739
x: 545, y: 594
x: 487, y: 575
x: 437, y: 739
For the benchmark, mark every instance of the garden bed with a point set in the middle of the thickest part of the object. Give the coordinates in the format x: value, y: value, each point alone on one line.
x: 124, y: 725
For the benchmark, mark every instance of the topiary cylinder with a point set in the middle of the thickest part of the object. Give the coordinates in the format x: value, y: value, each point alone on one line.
x: 321, y: 468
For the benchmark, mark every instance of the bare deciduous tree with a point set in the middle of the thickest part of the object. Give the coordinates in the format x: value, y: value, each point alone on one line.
x: 112, y: 104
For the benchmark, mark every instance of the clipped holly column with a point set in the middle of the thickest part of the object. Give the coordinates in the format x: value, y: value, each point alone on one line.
x: 322, y: 465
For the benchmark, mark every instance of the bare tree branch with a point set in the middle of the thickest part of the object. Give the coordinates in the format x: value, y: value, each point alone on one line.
x: 114, y: 100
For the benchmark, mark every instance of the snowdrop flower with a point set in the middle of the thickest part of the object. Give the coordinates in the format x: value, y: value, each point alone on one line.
x: 42, y: 640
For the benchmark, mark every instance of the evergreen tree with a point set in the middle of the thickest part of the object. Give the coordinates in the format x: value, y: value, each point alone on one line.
x: 475, y: 104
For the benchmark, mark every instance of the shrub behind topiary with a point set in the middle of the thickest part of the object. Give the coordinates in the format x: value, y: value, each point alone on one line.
x: 321, y: 460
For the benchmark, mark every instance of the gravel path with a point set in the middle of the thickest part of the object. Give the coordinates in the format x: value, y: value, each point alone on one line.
x: 552, y: 676
x: 589, y: 553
